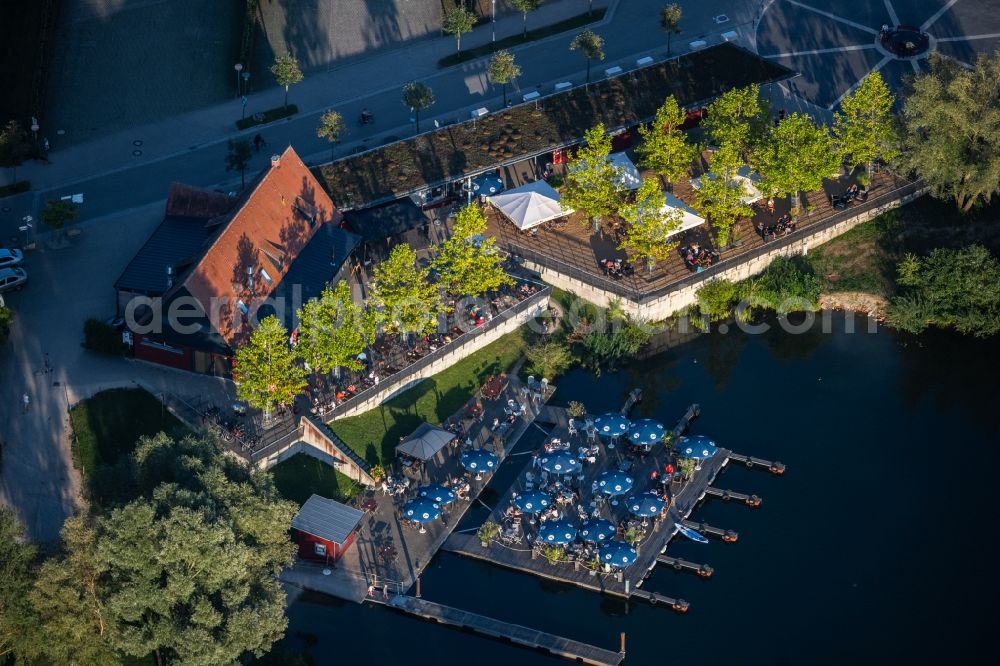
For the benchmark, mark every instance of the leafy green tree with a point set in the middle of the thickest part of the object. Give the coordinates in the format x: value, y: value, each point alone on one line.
x: 687, y: 467
x: 73, y: 624
x: 458, y: 20
x: 268, y: 373
x: 58, y: 212
x: 590, y: 45
x: 739, y: 118
x: 865, y: 126
x: 798, y: 156
x: 238, y: 158
x: 468, y: 262
x: 549, y: 359
x: 417, y: 96
x: 503, y: 70
x: 720, y: 197
x: 6, y: 319
x: 190, y: 568
x: 18, y: 623
x: 601, y: 350
x: 949, y: 288
x: 286, y: 72
x: 333, y: 330
x: 525, y: 6
x: 410, y: 303
x: 670, y: 22
x: 664, y: 148
x: 952, y: 130
x: 649, y: 225
x: 15, y: 147
x: 591, y: 180
x: 331, y: 127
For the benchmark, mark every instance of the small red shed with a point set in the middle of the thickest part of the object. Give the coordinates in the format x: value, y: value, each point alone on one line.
x: 325, y: 528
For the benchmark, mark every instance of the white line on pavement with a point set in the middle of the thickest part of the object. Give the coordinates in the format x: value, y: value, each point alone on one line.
x: 936, y: 15
x: 833, y: 16
x: 881, y: 63
x: 992, y: 35
x: 838, y: 49
x: 916, y: 66
x: 892, y: 13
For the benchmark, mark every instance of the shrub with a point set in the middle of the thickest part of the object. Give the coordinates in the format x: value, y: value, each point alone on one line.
x: 488, y: 531
x: 6, y: 317
x: 101, y: 337
x: 549, y: 359
x: 269, y: 116
x: 788, y: 285
x: 602, y: 350
x: 553, y: 553
x: 717, y: 298
x: 17, y: 188
x: 577, y: 409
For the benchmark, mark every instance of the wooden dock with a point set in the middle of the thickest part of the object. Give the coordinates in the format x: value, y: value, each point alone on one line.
x: 681, y: 564
x: 729, y: 536
x: 515, y: 633
x: 726, y: 495
x: 774, y: 467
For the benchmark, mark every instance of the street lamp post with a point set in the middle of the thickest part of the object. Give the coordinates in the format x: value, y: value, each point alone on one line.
x: 34, y: 128
x: 246, y: 82
x: 26, y: 227
x: 493, y: 23
x: 239, y: 68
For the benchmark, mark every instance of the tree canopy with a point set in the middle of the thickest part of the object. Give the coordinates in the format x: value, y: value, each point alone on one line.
x: 591, y: 180
x: 331, y: 127
x: 670, y: 21
x: 590, y: 44
x: 720, y: 197
x: 739, y: 118
x: 409, y: 302
x: 525, y: 6
x: 238, y: 157
x: 14, y: 146
x: 503, y: 69
x: 417, y: 96
x: 865, y: 126
x: 333, y: 330
x: 952, y: 130
x: 268, y: 374
x: 286, y: 72
x: 58, y: 212
x: 797, y: 157
x: 17, y: 619
x: 458, y: 20
x: 664, y: 148
x: 468, y: 262
x: 649, y: 224
x: 949, y: 288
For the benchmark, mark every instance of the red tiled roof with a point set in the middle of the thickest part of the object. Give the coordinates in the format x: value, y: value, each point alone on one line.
x: 187, y: 201
x: 267, y: 229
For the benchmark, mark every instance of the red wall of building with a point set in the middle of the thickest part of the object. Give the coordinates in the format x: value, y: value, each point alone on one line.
x: 181, y: 360
x: 307, y: 547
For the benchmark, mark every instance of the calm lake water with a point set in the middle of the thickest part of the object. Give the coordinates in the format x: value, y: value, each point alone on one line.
x: 876, y: 546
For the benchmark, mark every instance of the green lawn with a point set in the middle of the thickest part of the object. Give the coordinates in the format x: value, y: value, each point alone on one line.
x: 375, y: 434
x: 860, y: 259
x: 110, y: 423
x: 301, y: 476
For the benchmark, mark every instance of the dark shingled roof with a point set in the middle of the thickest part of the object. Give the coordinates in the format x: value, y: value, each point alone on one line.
x: 390, y: 219
x: 176, y: 241
x: 327, y: 519
x: 312, y: 270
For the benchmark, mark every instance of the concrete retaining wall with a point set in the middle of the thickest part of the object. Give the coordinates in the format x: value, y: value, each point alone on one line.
x: 660, y: 308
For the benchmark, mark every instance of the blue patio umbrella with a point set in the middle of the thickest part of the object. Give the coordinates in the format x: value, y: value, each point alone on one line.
x: 479, y: 461
x: 560, y: 462
x: 645, y: 505
x: 597, y: 530
x: 617, y: 554
x: 437, y: 493
x: 487, y: 184
x: 614, y: 482
x: 532, y: 501
x: 421, y: 510
x: 646, y: 432
x: 611, y: 425
x: 697, y: 447
x: 557, y: 532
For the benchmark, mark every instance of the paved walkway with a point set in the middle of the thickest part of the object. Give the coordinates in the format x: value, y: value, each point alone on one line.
x: 37, y: 475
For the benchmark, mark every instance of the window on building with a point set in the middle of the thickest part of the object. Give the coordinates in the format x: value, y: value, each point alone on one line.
x: 243, y: 307
x: 267, y: 278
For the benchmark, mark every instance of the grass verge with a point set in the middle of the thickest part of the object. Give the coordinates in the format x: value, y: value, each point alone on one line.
x: 19, y: 187
x: 301, y: 476
x: 520, y: 38
x: 862, y: 259
x: 269, y: 116
x: 375, y: 434
x: 109, y: 424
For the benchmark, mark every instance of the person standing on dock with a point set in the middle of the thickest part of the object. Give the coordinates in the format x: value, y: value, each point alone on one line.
x: 385, y: 590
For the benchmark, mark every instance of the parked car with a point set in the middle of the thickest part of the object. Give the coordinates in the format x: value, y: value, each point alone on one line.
x: 10, y: 258
x: 12, y: 278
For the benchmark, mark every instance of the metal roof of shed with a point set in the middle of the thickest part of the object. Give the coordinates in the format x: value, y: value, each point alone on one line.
x: 327, y: 519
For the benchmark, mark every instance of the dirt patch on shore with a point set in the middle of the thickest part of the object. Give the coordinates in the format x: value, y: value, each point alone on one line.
x: 872, y: 305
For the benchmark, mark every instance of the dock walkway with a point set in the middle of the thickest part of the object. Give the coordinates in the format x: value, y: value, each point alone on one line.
x: 557, y: 645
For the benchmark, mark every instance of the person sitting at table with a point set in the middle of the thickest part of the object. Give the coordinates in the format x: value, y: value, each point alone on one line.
x: 770, y: 206
x: 852, y: 192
